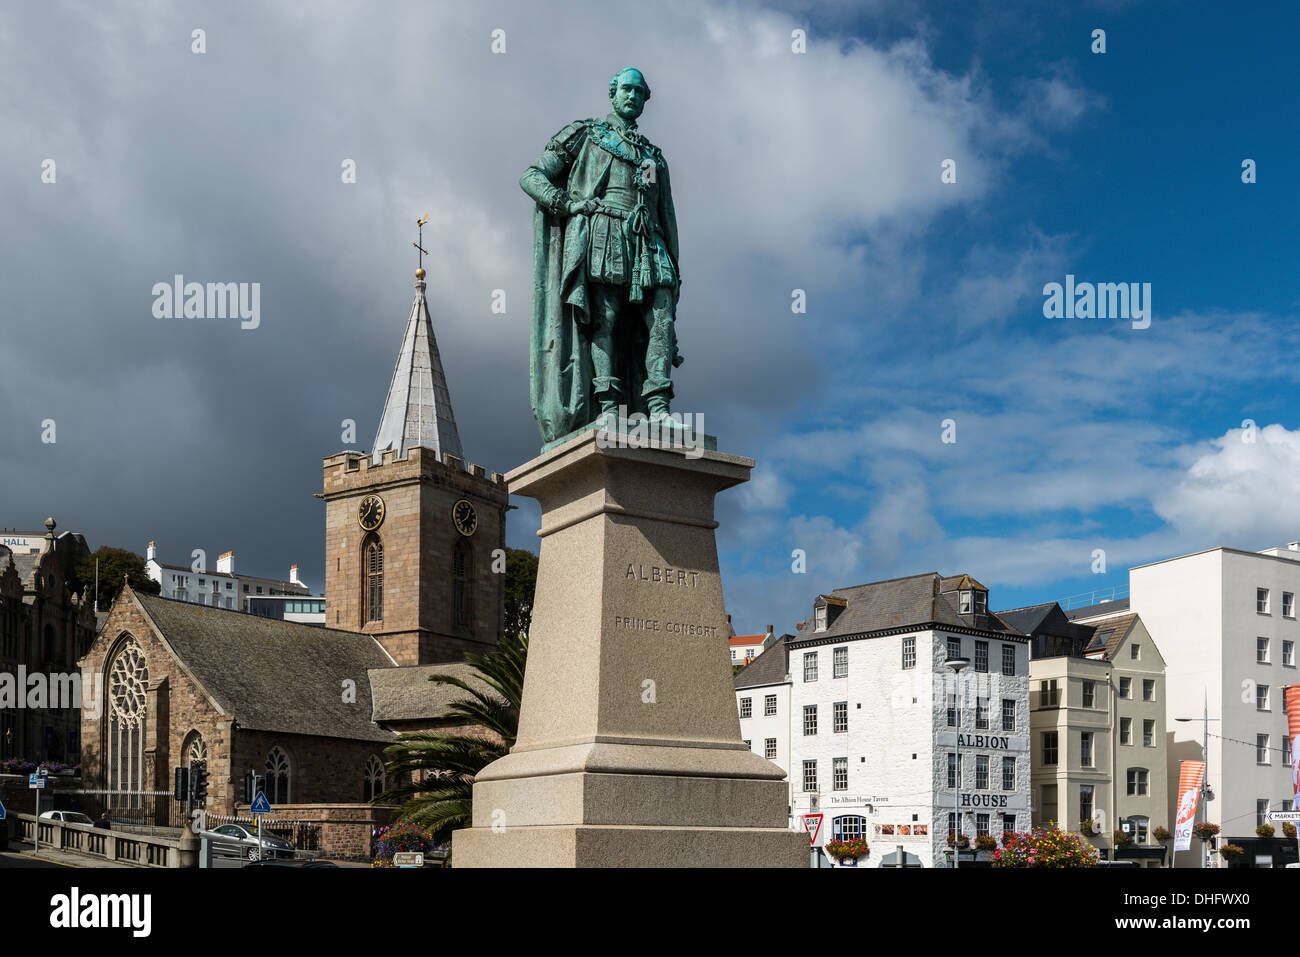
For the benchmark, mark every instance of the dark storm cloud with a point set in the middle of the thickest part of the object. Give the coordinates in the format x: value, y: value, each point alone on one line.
x: 225, y: 166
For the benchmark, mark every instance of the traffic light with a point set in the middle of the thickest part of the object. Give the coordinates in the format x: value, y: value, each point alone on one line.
x: 182, y: 788
x: 246, y: 797
x: 199, y: 781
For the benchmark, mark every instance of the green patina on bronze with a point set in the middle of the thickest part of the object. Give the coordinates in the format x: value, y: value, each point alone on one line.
x: 606, y: 278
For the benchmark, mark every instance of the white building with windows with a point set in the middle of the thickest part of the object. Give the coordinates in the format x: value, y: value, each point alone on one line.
x: 1225, y: 621
x: 745, y: 648
x: 220, y: 588
x: 763, y: 700
x: 877, y: 718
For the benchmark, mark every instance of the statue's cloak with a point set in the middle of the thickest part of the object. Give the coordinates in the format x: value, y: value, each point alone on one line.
x: 560, y: 371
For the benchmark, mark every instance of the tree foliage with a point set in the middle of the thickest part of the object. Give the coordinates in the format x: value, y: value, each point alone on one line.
x: 115, y: 565
x: 521, y: 583
x: 436, y: 769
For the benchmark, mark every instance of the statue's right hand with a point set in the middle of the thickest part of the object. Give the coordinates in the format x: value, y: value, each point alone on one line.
x: 587, y: 206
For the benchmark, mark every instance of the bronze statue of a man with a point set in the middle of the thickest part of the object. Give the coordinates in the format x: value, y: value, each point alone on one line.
x: 606, y: 279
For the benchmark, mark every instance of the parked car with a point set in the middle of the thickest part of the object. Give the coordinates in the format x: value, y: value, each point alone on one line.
x: 242, y: 842
x: 67, y: 817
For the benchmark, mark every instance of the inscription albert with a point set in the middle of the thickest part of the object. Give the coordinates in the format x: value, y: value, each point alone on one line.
x: 657, y: 574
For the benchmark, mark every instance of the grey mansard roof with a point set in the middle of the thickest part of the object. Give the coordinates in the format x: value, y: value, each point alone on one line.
x: 903, y: 603
x: 418, y: 408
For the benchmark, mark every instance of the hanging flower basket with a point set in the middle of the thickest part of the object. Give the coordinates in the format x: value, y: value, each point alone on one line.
x: 1231, y: 851
x: 1265, y: 830
x: 986, y: 842
x: 1288, y: 830
x: 1122, y: 839
x: 963, y: 842
x: 1205, y: 830
x: 849, y: 850
x: 1087, y: 828
x: 1161, y: 834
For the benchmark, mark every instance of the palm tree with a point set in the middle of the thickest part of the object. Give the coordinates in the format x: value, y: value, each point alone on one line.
x: 438, y: 768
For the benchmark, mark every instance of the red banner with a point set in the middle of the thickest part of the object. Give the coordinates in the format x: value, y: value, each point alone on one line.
x: 1191, y: 774
x: 1292, y: 694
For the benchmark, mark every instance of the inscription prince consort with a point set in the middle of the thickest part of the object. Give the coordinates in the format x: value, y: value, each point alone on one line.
x: 664, y: 575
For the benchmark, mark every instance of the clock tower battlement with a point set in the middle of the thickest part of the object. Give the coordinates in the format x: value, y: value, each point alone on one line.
x: 414, y: 535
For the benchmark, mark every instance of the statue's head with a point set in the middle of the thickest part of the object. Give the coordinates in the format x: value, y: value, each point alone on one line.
x: 629, y: 92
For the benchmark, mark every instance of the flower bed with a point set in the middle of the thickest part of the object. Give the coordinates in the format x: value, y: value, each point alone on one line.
x: 1047, y: 846
x: 402, y: 836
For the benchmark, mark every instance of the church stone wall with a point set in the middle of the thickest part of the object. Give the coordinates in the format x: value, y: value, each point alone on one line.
x: 176, y: 706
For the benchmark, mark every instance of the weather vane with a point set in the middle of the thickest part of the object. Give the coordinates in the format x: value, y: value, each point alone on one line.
x: 420, y: 244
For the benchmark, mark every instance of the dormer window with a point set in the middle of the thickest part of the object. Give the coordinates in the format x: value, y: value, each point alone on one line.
x: 981, y: 602
x: 819, y: 618
x: 967, y: 603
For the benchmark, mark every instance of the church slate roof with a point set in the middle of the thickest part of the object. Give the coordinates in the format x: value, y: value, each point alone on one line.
x: 769, y: 668
x: 273, y: 675
x: 407, y: 694
x: 418, y: 408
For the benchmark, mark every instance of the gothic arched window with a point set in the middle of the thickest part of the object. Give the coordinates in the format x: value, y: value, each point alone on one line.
x: 372, y: 565
x: 460, y: 585
x: 374, y: 778
x: 194, y: 748
x: 128, y: 686
x: 277, y: 776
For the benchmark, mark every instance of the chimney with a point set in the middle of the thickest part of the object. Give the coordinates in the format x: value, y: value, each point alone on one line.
x: 151, y: 553
x: 226, y: 563
x: 293, y: 575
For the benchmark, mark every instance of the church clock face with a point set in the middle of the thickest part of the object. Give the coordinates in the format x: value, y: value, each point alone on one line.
x: 464, y: 517
x: 370, y: 513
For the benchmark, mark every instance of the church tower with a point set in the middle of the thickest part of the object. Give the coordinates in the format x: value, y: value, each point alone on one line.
x: 411, y: 528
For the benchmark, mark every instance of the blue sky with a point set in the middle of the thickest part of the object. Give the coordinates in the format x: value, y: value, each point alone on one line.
x: 817, y: 171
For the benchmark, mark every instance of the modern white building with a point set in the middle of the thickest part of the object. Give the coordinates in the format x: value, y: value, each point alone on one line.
x: 1225, y: 621
x: 876, y: 718
x: 221, y: 588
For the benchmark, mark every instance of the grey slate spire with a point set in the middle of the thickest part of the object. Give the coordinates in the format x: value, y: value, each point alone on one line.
x: 418, y: 409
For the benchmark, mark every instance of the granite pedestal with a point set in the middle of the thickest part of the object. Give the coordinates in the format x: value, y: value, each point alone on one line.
x: 629, y: 751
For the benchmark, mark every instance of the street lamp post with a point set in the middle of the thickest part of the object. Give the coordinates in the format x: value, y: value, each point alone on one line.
x: 957, y: 664
x: 1205, y: 777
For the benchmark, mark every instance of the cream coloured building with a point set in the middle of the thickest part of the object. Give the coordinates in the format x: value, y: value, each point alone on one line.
x: 1097, y: 716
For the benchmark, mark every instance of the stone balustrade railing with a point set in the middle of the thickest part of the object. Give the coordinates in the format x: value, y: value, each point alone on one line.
x: 128, y: 850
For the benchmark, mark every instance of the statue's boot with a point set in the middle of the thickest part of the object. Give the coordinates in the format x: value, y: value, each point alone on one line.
x: 608, y: 392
